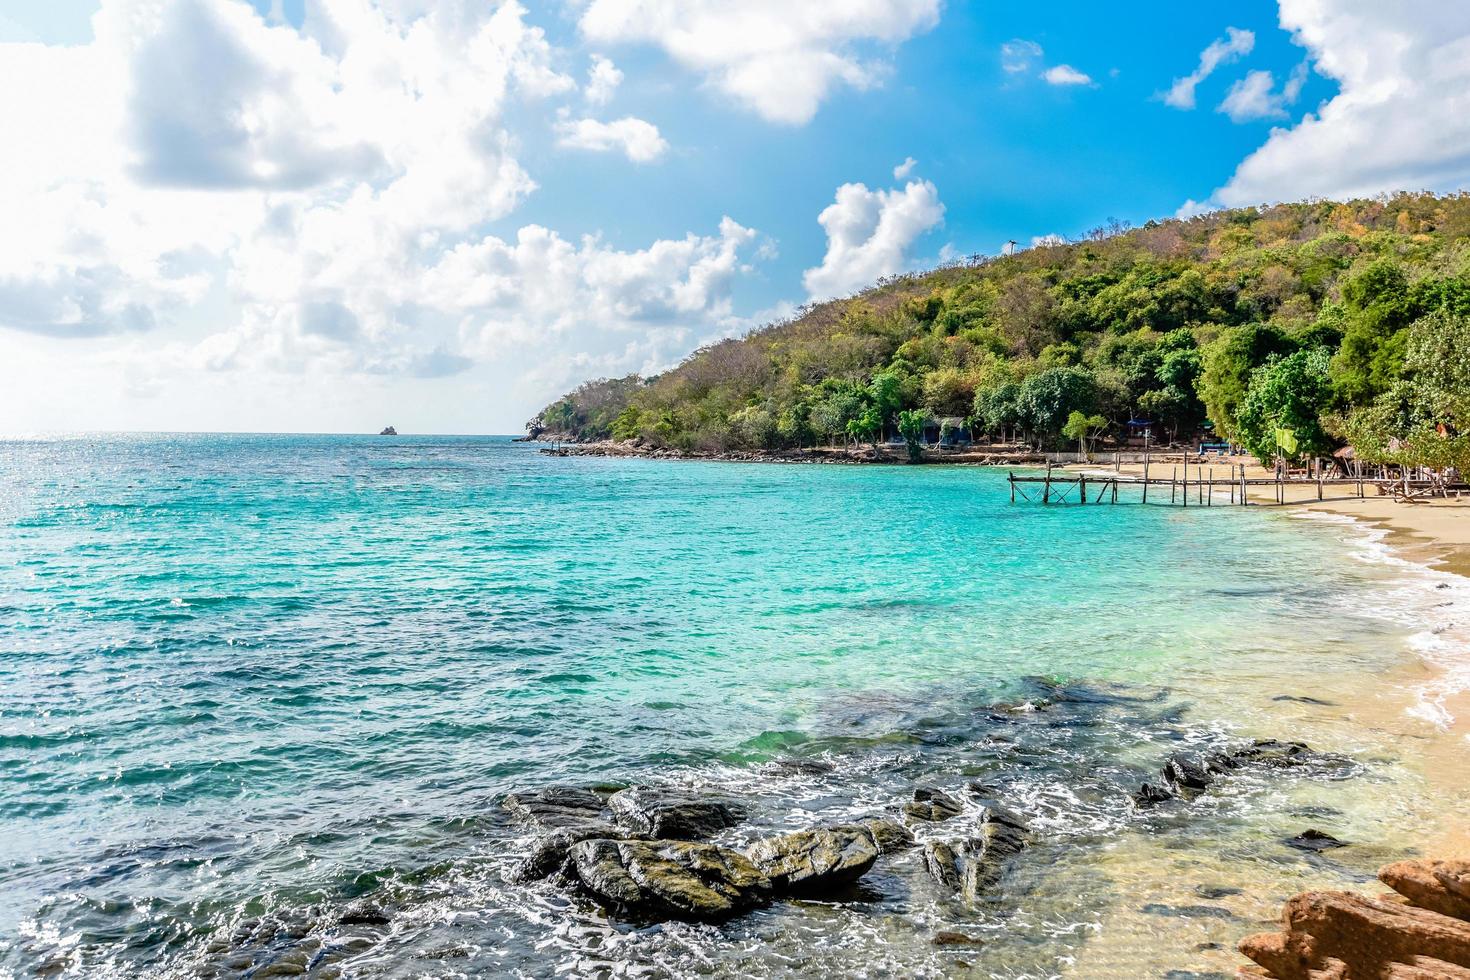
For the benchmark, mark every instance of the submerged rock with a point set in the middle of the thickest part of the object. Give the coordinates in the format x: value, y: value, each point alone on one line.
x: 556, y: 807
x: 1312, y: 839
x: 1148, y: 794
x: 657, y: 880
x: 812, y: 860
x: 948, y: 937
x: 672, y: 814
x: 932, y: 805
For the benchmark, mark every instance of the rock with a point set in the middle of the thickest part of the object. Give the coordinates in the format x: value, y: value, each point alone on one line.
x: 812, y: 860
x: 1440, y: 886
x: 1270, y: 752
x: 658, y: 880
x: 1304, y: 699
x: 972, y: 866
x: 672, y: 814
x: 888, y: 835
x: 948, y: 938
x: 556, y: 807
x: 550, y: 852
x: 1148, y: 794
x: 1358, y: 936
x: 932, y: 805
x: 1185, y: 773
x: 390, y: 431
x: 364, y: 913
x: 1312, y: 839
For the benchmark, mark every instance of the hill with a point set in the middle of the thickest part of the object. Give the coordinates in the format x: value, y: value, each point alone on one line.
x: 1326, y: 321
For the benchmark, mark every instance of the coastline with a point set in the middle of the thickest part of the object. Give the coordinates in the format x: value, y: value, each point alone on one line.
x: 1426, y: 700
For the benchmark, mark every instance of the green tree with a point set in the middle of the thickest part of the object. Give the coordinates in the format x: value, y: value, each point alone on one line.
x: 1287, y: 393
x: 911, y: 427
x: 997, y: 409
x: 1047, y: 399
x: 1376, y: 307
x: 1085, y: 429
x: 867, y: 427
x: 1227, y: 365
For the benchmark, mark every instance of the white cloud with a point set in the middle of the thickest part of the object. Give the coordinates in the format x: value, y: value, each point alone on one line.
x: 1065, y: 75
x: 1046, y: 241
x: 778, y: 58
x: 269, y: 202
x: 902, y: 171
x: 1255, y: 95
x: 636, y: 139
x: 1017, y: 55
x: 1401, y: 119
x: 603, y: 79
x: 869, y: 233
x: 1235, y: 44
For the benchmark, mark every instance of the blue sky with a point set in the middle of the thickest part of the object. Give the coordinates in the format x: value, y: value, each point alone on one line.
x: 331, y: 214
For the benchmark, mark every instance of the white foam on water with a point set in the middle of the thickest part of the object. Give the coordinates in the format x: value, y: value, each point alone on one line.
x: 1434, y: 604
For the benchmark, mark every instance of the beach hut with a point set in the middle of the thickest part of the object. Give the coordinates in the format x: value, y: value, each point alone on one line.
x: 950, y: 433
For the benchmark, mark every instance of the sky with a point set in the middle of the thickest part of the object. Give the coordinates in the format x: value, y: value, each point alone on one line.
x: 336, y: 215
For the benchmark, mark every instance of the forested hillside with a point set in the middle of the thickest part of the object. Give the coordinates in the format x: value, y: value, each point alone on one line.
x: 1336, y: 322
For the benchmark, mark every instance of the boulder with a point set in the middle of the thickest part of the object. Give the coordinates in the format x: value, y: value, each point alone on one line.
x: 672, y: 814
x: 1440, y: 886
x: 932, y: 805
x: 813, y: 860
x: 550, y: 852
x: 658, y: 880
x: 556, y: 807
x: 1184, y: 773
x: 1366, y: 935
x: 1148, y: 794
x: 888, y: 835
x: 972, y: 866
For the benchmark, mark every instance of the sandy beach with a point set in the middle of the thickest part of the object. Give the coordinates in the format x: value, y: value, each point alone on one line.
x: 1427, y: 700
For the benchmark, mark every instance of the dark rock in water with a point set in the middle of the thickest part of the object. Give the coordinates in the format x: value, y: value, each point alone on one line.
x: 949, y: 938
x: 888, y: 835
x: 1183, y: 772
x: 658, y: 880
x: 1312, y: 839
x: 1001, y: 815
x: 1216, y: 891
x: 973, y: 866
x: 556, y: 807
x: 390, y: 431
x: 364, y: 913
x: 672, y: 814
x: 550, y: 852
x: 1148, y: 794
x: 801, y: 767
x: 811, y: 860
x: 942, y: 861
x: 1304, y: 699
x: 1270, y: 752
x: 932, y: 805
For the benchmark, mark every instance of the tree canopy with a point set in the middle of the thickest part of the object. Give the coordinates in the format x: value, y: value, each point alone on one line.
x: 1348, y: 319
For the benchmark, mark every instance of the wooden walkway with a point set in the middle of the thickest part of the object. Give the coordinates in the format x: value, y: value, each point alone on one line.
x: 1205, y: 486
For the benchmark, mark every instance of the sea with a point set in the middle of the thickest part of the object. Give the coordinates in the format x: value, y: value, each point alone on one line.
x: 253, y: 684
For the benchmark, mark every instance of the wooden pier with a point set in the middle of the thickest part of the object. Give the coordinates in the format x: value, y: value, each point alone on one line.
x: 1205, y: 486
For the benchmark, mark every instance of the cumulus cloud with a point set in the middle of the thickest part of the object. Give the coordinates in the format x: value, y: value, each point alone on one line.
x: 869, y: 233
x: 778, y: 58
x: 902, y: 171
x: 1235, y: 44
x: 1018, y: 55
x: 1401, y: 118
x: 1255, y: 96
x: 636, y: 139
x: 1065, y: 75
x: 603, y: 79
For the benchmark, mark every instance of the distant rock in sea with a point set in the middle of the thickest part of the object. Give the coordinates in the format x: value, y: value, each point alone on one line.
x: 390, y: 431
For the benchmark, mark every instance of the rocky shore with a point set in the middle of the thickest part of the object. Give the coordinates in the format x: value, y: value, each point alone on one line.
x: 884, y: 454
x: 1420, y: 933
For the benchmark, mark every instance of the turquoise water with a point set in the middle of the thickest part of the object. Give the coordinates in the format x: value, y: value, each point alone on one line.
x: 251, y: 676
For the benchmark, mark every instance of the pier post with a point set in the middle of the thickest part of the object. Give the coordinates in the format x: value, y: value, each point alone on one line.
x: 1082, y: 485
